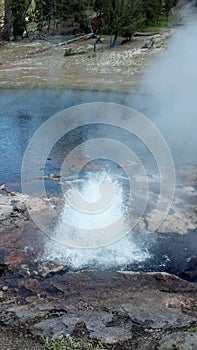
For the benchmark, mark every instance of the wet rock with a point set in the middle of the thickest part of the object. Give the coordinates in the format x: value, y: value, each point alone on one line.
x: 3, y: 269
x: 177, y: 221
x: 48, y: 268
x: 54, y: 177
x: 190, y: 273
x: 2, y: 187
x: 15, y: 259
x: 181, y: 218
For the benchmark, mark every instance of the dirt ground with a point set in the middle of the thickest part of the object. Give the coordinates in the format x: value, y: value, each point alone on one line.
x: 23, y: 65
x: 11, y: 341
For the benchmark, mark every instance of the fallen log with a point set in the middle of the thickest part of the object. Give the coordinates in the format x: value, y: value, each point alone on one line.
x: 70, y: 41
x: 145, y: 33
x: 82, y: 37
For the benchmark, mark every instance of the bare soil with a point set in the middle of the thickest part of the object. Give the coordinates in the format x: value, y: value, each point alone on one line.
x: 22, y: 64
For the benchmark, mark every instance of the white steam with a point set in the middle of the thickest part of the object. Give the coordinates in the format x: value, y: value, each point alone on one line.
x: 171, y: 86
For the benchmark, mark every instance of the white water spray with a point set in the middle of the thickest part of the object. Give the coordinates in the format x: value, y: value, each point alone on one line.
x: 120, y: 252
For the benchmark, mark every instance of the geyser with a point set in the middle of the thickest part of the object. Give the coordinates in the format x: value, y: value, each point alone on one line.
x: 71, y: 236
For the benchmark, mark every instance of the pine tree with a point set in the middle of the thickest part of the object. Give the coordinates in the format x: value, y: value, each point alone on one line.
x: 39, y: 15
x: 120, y: 17
x: 76, y: 15
x: 133, y: 18
x: 153, y: 10
x: 6, y: 30
x: 51, y: 13
x: 48, y: 12
x: 19, y: 12
x: 1, y: 12
x: 168, y: 5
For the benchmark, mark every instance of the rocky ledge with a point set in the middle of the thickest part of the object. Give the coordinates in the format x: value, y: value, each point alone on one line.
x: 120, y: 309
x: 15, y: 207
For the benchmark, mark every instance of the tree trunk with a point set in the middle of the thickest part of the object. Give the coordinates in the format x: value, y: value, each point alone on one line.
x: 49, y: 23
x: 7, y: 26
x: 114, y: 39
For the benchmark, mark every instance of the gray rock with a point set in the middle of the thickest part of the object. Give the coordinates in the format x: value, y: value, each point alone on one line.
x: 178, y: 341
x: 94, y: 324
x: 127, y: 310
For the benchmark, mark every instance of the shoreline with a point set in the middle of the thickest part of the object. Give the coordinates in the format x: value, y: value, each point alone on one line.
x: 20, y: 212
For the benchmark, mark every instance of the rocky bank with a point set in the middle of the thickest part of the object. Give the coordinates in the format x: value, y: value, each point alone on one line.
x: 124, y: 310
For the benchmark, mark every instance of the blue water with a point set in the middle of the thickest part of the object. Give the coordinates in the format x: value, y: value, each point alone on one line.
x: 22, y: 111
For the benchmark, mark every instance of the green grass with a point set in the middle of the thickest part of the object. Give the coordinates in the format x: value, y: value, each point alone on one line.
x: 69, y: 52
x: 192, y: 329
x: 55, y: 345
x: 72, y: 344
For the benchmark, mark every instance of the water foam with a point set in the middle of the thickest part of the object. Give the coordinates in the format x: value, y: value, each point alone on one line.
x: 118, y: 253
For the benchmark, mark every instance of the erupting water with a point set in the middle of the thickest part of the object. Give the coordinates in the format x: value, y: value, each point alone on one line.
x: 76, y: 226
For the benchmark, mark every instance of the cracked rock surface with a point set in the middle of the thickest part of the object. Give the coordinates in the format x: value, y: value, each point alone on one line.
x: 125, y: 310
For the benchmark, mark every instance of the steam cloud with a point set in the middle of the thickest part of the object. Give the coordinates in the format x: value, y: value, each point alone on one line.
x: 171, y: 86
